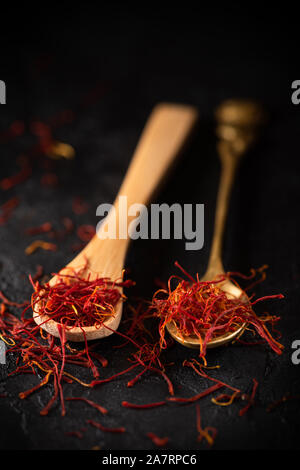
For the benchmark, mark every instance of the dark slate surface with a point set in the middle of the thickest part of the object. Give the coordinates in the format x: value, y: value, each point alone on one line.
x: 140, y: 58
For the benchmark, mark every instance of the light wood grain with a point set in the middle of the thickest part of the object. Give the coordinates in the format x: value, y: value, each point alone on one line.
x: 164, y: 135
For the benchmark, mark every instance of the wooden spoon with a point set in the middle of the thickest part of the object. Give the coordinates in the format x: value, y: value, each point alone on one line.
x: 164, y: 135
x: 238, y: 121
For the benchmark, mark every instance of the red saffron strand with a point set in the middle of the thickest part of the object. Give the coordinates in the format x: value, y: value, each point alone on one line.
x: 44, y: 228
x: 7, y: 208
x: 282, y: 400
x: 86, y: 232
x: 50, y: 403
x: 158, y: 441
x: 10, y: 303
x: 136, y: 406
x: 62, y: 337
x: 77, y: 434
x: 197, y: 397
x: 98, y: 425
x: 203, y: 374
x: 38, y: 273
x: 251, y: 399
x: 209, y: 433
x: 45, y: 380
x: 98, y: 407
x: 79, y: 207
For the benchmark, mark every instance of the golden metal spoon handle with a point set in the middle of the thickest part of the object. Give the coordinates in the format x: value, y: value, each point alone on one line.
x: 229, y: 157
x: 238, y: 121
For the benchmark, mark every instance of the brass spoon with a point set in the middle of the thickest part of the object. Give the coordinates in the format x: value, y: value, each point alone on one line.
x: 238, y: 122
x: 165, y: 134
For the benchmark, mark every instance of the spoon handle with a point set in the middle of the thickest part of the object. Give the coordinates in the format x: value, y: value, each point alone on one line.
x: 238, y: 123
x: 164, y: 135
x: 229, y: 163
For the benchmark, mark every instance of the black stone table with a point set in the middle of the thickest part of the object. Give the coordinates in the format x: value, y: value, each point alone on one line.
x: 110, y: 69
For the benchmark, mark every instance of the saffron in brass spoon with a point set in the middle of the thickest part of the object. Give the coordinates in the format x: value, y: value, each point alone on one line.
x: 237, y: 128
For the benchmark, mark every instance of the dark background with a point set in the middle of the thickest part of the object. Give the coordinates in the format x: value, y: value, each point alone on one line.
x: 126, y: 60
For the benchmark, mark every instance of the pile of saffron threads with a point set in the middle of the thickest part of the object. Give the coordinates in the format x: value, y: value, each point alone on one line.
x: 201, y: 309
x: 78, y: 301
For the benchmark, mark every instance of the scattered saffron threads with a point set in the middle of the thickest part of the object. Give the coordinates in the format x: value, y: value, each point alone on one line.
x: 77, y: 301
x: 198, y: 368
x: 77, y: 434
x: 224, y: 399
x: 41, y: 130
x: 89, y: 402
x: 135, y: 406
x: 9, y: 342
x: 10, y: 204
x: 86, y: 232
x: 20, y: 177
x: 167, y: 380
x: 44, y: 228
x: 49, y: 179
x: 282, y: 400
x: 7, y: 208
x: 248, y: 343
x: 45, y: 380
x: 103, y: 361
x: 59, y: 150
x: 98, y: 425
x: 109, y: 379
x: 209, y: 433
x: 38, y: 273
x: 47, y: 145
x: 68, y: 227
x: 201, y: 309
x: 79, y: 207
x: 40, y: 244
x: 197, y: 397
x: 158, y: 441
x: 10, y: 303
x: 251, y: 399
x: 40, y: 352
x: 159, y: 283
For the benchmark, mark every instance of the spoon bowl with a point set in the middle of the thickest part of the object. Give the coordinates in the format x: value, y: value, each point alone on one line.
x: 76, y: 334
x: 192, y: 341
